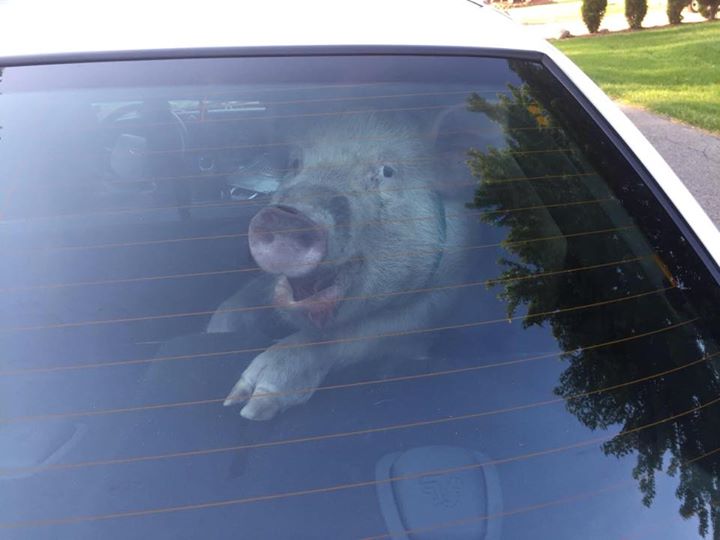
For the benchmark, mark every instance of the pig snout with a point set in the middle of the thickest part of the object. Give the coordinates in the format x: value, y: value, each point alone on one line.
x: 285, y: 241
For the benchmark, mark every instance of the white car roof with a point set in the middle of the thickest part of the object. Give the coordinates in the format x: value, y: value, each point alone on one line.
x: 35, y: 27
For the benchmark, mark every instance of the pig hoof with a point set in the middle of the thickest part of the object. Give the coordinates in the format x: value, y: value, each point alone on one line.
x: 240, y: 392
x: 274, y: 381
x: 262, y: 407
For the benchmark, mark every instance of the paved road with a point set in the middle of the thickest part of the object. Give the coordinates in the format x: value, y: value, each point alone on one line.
x: 693, y: 154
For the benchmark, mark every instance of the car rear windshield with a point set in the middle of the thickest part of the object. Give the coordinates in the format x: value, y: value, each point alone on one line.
x: 343, y: 296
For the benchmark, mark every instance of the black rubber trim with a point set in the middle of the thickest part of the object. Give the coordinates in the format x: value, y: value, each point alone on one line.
x: 230, y: 52
x: 658, y: 192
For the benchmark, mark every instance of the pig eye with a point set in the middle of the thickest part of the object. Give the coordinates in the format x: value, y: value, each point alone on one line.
x: 387, y: 171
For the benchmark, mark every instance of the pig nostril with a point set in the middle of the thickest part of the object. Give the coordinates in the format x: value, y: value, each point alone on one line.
x: 307, y: 239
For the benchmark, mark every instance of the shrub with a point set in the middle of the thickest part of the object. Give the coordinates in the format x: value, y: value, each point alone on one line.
x: 674, y: 10
x: 709, y: 8
x: 592, y: 13
x: 635, y: 11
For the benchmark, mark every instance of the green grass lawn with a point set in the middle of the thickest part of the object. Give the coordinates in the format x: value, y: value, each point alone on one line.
x: 673, y: 71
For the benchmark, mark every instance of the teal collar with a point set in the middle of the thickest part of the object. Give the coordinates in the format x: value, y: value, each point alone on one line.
x: 442, y: 226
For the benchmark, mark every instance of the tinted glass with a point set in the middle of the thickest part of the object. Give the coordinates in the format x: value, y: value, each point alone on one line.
x: 342, y: 297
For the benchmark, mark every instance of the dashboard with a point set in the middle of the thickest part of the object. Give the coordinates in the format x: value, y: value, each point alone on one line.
x: 192, y: 152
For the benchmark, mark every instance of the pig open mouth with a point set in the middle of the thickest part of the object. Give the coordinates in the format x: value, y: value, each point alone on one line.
x: 317, y: 294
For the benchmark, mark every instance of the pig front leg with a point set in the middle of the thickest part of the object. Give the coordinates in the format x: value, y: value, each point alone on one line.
x: 283, y: 376
x: 288, y: 373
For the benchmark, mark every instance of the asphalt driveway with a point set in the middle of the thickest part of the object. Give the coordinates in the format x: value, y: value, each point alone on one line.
x: 692, y: 153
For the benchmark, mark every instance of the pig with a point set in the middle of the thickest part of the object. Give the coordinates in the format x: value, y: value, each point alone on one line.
x: 346, y: 237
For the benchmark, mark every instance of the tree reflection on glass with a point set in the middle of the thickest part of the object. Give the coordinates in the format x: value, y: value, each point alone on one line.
x: 551, y: 160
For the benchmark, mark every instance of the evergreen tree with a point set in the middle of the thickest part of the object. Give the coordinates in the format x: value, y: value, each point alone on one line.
x: 635, y: 11
x: 593, y: 12
x: 674, y: 10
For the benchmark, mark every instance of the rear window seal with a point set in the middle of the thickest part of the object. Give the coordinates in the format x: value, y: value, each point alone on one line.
x: 289, y: 51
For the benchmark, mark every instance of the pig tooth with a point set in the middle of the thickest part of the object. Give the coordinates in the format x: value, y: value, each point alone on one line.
x: 284, y: 292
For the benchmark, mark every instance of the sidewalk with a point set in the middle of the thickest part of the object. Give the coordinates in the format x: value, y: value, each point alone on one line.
x: 692, y: 153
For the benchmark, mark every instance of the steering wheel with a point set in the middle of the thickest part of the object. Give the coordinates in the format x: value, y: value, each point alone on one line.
x: 146, y: 141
